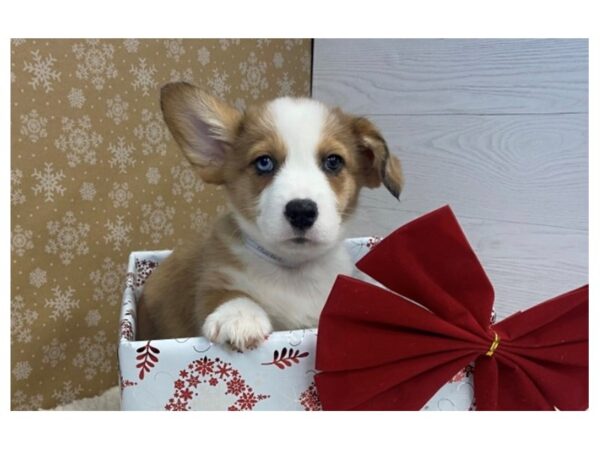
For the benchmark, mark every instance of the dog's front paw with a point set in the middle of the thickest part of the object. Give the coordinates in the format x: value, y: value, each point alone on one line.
x: 240, y: 323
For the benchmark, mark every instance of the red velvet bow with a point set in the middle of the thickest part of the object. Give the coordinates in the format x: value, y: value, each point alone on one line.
x: 378, y: 350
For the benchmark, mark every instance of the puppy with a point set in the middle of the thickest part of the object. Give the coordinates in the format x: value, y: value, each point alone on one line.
x: 292, y: 169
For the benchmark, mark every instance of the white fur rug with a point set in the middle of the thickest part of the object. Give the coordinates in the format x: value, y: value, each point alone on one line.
x: 109, y: 400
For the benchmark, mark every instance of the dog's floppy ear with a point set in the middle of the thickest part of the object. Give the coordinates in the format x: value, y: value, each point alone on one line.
x: 380, y: 166
x: 203, y: 126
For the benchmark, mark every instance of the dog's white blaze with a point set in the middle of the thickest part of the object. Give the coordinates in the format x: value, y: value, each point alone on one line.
x: 300, y: 124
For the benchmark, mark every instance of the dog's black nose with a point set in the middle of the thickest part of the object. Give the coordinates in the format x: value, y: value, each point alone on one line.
x: 301, y: 213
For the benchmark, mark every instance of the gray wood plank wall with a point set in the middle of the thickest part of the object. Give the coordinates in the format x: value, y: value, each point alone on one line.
x: 498, y: 129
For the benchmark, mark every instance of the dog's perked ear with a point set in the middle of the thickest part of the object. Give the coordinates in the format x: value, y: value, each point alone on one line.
x: 379, y: 165
x: 203, y: 126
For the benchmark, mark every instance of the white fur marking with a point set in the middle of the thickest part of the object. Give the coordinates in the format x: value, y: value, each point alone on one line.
x: 239, y: 322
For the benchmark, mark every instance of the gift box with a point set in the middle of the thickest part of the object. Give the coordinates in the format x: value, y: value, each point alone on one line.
x: 411, y: 331
x: 194, y: 374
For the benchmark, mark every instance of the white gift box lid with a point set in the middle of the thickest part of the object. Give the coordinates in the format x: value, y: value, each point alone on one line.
x: 195, y: 374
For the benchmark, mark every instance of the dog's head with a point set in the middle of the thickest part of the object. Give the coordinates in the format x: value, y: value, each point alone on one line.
x: 292, y: 167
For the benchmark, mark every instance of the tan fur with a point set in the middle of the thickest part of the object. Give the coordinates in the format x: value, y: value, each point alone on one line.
x: 192, y: 282
x: 255, y: 138
x: 189, y: 285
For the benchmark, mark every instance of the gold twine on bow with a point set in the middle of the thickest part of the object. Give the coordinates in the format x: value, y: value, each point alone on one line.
x: 494, y: 346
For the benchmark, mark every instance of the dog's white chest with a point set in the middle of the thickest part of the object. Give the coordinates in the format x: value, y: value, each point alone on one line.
x: 293, y: 298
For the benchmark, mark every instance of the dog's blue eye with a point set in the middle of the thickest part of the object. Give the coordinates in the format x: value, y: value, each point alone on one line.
x: 264, y: 164
x: 333, y: 163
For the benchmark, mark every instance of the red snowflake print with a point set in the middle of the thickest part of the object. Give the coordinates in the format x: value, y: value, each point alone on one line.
x: 204, y: 366
x: 373, y: 241
x: 126, y: 330
x: 185, y: 394
x: 223, y: 370
x: 462, y: 374
x: 143, y: 269
x: 235, y: 386
x: 247, y: 400
x: 205, y: 371
x: 176, y: 405
x: 193, y: 381
x: 126, y: 383
x: 310, y: 399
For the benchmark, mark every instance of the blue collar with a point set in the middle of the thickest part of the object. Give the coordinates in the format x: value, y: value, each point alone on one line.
x: 265, y: 254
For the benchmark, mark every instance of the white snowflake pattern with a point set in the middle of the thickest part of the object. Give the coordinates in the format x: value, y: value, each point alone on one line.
x: 16, y: 194
x: 120, y: 195
x: 76, y: 98
x: 108, y: 282
x: 290, y: 43
x: 62, y: 303
x: 95, y: 62
x: 33, y: 126
x: 78, y: 141
x: 121, y: 155
x: 87, y: 191
x: 21, y: 402
x: 306, y: 62
x: 286, y: 86
x: 118, y: 233
x: 21, y: 370
x: 144, y: 77
x: 278, y: 60
x: 185, y: 181
x: 68, y: 393
x: 67, y: 238
x: 54, y: 352
x: 185, y: 75
x: 174, y: 48
x: 117, y: 109
x: 260, y: 43
x: 21, y: 240
x: 153, y: 175
x: 157, y: 220
x: 254, y: 72
x: 203, y: 56
x: 131, y: 45
x: 48, y: 182
x: 21, y: 320
x: 93, y: 317
x: 42, y: 71
x: 37, y: 277
x: 95, y: 355
x: 152, y: 133
x: 218, y: 84
x: 225, y: 43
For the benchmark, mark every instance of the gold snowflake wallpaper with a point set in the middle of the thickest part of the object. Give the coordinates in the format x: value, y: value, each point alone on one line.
x: 96, y: 175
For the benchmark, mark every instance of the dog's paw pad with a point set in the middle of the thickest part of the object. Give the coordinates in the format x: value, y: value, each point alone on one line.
x: 241, y: 323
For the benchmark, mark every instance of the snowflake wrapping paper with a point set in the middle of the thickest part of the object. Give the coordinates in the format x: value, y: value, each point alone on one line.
x: 194, y: 374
